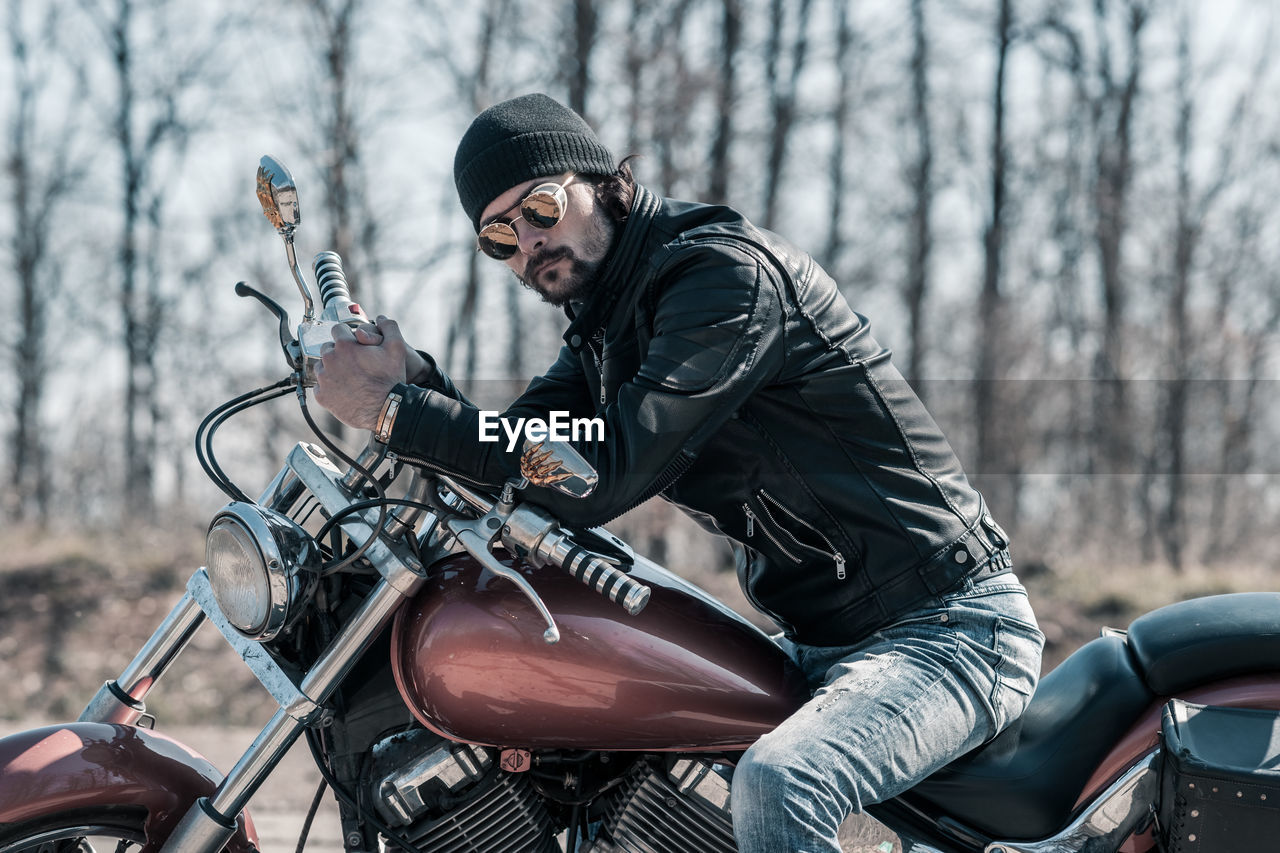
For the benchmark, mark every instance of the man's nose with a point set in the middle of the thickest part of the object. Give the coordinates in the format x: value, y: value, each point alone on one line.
x: 528, y: 238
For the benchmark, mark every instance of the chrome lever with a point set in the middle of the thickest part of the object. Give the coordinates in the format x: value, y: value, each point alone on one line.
x: 471, y: 536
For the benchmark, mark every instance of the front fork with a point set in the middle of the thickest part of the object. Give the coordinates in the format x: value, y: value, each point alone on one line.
x: 211, y: 821
x: 122, y: 701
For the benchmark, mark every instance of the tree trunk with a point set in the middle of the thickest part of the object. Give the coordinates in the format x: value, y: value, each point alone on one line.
x: 989, y: 409
x: 840, y: 124
x: 782, y: 98
x: 584, y: 22
x: 726, y: 103
x: 920, y: 179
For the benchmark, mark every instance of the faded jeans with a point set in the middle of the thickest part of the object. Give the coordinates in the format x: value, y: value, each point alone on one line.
x: 887, y: 712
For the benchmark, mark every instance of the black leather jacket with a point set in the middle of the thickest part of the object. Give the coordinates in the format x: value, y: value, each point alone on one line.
x: 735, y: 381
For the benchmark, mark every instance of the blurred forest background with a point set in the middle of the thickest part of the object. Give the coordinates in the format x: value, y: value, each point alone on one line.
x: 1060, y: 214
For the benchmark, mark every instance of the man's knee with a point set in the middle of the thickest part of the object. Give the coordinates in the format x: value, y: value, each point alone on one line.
x: 772, y: 772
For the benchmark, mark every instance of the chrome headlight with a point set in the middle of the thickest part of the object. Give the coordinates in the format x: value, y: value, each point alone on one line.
x: 261, y: 565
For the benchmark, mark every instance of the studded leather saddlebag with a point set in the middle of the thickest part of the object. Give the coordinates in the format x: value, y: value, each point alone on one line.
x: 1220, y: 780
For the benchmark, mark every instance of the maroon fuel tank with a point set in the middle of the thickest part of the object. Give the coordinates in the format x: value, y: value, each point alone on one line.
x: 687, y: 673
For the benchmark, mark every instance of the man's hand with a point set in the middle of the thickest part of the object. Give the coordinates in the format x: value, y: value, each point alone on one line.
x: 416, y: 368
x: 359, y: 368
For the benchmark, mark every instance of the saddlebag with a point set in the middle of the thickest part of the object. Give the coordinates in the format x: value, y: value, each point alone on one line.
x: 1220, y: 780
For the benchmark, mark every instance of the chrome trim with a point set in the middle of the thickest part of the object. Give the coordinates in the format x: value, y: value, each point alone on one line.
x: 266, y: 751
x: 451, y: 765
x: 155, y: 656
x: 404, y: 519
x: 367, y: 459
x: 151, y: 661
x: 1107, y: 821
x: 282, y: 687
x: 372, y: 616
x: 700, y: 779
x: 395, y: 562
x: 283, y: 729
x: 107, y: 707
x: 198, y: 831
x: 290, y: 561
x: 282, y: 492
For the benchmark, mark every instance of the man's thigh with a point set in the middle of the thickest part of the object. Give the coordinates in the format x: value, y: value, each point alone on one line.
x: 911, y: 698
x: 887, y: 716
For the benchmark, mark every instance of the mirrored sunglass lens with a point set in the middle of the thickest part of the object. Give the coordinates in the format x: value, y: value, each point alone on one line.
x: 543, y: 208
x: 497, y: 240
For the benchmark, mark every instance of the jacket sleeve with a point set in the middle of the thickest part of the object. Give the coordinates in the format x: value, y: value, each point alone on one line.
x: 440, y: 427
x: 717, y: 337
x: 435, y: 378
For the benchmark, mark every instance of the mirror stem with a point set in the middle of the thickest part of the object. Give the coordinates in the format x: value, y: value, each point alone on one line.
x: 308, y: 304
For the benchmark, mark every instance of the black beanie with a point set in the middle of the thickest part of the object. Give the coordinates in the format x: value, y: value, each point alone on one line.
x: 528, y: 137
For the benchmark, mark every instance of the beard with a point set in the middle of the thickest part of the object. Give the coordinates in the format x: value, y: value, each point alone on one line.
x: 571, y: 281
x: 562, y: 285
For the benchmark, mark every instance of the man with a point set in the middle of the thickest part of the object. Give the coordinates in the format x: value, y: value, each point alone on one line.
x: 735, y: 380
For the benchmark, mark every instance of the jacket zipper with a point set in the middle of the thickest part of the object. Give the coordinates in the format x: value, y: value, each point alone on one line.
x: 751, y: 532
x: 597, y: 340
x: 432, y: 466
x: 766, y: 499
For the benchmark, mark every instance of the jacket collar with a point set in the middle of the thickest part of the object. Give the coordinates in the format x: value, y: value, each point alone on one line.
x: 588, y: 316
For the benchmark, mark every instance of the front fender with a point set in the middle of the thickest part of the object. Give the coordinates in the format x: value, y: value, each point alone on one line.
x: 89, y: 765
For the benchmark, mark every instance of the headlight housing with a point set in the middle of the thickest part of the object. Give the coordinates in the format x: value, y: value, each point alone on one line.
x: 261, y: 567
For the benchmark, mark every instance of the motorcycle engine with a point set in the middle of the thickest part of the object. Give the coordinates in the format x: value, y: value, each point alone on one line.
x: 451, y: 796
x: 668, y: 807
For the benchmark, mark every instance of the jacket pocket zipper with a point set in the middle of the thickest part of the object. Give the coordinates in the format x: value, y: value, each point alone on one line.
x: 766, y: 499
x: 751, y: 532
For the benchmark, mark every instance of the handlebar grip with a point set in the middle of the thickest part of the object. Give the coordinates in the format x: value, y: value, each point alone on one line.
x: 607, y: 580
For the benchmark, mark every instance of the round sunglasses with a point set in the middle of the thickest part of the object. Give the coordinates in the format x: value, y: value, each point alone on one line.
x: 543, y: 208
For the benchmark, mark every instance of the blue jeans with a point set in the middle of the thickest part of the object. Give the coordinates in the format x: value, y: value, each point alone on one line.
x: 887, y: 712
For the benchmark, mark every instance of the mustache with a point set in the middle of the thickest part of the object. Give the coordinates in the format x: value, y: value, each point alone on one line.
x: 543, y: 257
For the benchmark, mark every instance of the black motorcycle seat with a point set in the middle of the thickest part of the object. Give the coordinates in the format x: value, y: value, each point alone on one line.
x: 1024, y: 783
x: 1206, y: 639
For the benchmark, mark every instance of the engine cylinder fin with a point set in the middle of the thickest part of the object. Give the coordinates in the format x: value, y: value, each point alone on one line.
x: 650, y: 815
x: 508, y: 817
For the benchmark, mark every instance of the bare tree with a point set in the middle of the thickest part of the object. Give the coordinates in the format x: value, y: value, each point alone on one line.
x: 1194, y: 206
x: 1240, y: 262
x: 44, y: 169
x: 840, y: 123
x: 583, y: 26
x: 1107, y: 80
x: 988, y: 408
x: 726, y: 102
x: 339, y: 104
x: 920, y: 183
x: 783, y: 85
x: 474, y: 79
x: 152, y: 121
x: 673, y: 94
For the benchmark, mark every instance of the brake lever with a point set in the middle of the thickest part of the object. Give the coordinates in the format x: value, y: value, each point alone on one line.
x: 287, y: 342
x: 476, y: 536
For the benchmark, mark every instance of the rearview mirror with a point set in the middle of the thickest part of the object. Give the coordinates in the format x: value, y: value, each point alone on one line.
x: 278, y: 195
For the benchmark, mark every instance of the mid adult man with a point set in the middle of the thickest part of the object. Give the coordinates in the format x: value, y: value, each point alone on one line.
x: 735, y: 380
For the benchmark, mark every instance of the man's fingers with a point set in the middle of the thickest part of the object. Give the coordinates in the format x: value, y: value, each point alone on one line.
x: 368, y: 336
x: 342, y: 333
x: 390, y: 329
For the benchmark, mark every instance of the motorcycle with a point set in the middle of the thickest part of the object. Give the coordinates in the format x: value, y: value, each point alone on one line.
x: 471, y: 674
